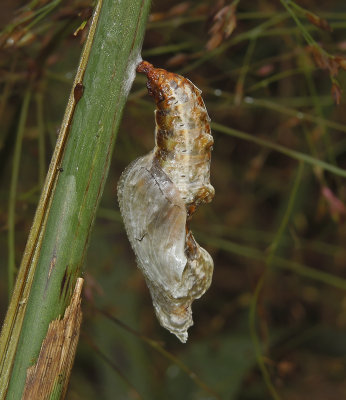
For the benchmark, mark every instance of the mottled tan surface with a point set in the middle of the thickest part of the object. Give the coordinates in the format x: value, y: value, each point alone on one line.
x: 159, y: 192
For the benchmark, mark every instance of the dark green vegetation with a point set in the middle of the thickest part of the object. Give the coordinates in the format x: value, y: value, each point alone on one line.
x: 273, y: 323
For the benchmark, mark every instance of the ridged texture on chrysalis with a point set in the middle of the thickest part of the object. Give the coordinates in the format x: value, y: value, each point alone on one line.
x: 158, y: 194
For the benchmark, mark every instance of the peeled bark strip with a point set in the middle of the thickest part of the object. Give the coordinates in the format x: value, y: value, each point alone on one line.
x: 50, y: 375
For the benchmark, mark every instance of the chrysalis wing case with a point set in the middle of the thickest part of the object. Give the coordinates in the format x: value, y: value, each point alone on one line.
x: 158, y: 194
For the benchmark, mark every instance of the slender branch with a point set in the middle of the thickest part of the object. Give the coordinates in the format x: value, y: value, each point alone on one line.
x: 11, y: 222
x: 269, y: 261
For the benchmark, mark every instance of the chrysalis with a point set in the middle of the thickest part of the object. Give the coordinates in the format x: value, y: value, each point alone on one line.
x: 158, y: 194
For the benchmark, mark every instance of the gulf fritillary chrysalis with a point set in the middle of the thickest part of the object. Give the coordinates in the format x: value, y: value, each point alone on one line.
x: 158, y: 194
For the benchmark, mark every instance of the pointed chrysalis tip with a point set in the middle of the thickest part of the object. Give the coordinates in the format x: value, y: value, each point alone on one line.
x: 145, y: 67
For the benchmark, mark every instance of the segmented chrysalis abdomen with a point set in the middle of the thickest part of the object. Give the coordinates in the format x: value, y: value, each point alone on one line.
x: 159, y: 192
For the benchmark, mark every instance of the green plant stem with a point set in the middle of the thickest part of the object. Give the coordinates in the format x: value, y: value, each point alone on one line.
x: 277, y: 262
x: 318, y: 111
x: 41, y: 140
x: 239, y: 92
x: 173, y: 48
x: 289, y: 5
x: 35, y: 16
x: 257, y: 345
x: 269, y: 261
x: 257, y: 32
x: 7, y: 90
x: 281, y: 149
x: 166, y: 354
x: 276, y: 77
x: 59, y: 236
x: 271, y: 105
x: 112, y: 365
x: 304, y: 32
x: 11, y: 222
x: 42, y: 12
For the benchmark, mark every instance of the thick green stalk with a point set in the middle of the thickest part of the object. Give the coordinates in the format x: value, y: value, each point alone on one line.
x: 58, y: 240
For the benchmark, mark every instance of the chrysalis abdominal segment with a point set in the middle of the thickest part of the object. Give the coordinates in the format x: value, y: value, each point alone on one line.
x: 158, y: 194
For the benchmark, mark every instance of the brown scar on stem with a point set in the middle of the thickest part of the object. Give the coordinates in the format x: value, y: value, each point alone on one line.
x: 65, y: 282
x: 78, y: 92
x: 51, y: 268
x: 52, y: 370
x: 51, y: 265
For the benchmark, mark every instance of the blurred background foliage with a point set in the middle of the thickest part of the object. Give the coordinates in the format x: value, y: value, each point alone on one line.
x: 272, y: 325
